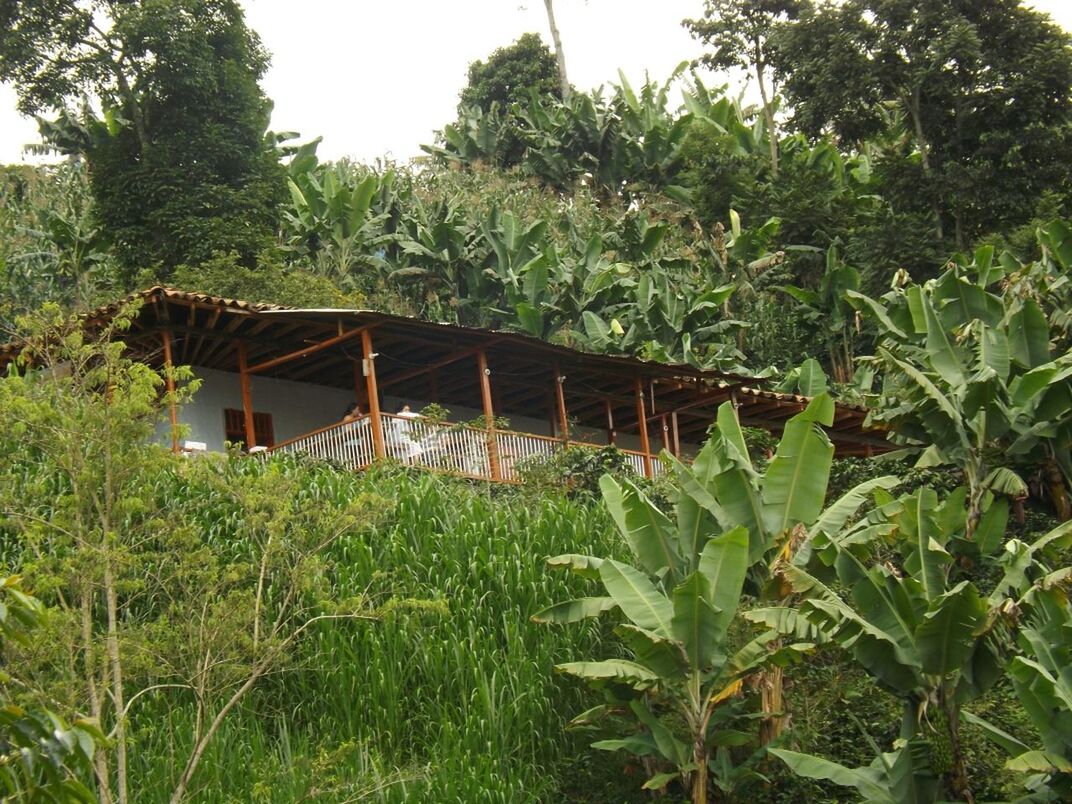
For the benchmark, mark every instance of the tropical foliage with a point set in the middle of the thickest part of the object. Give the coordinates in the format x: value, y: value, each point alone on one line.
x: 766, y: 622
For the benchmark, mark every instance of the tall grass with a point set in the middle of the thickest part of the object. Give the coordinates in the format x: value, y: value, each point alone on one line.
x: 451, y: 696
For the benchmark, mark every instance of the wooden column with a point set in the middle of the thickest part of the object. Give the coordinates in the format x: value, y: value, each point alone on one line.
x: 169, y: 378
x: 369, y: 361
x: 489, y: 413
x: 247, y: 397
x: 666, y: 432
x: 612, y: 434
x: 642, y: 417
x: 560, y: 405
x: 360, y: 391
x: 676, y: 434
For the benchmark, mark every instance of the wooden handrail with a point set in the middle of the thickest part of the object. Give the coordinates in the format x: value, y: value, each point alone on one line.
x: 318, y: 431
x: 314, y: 442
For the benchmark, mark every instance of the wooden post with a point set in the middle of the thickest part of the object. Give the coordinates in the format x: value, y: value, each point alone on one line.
x: 676, y: 434
x: 489, y: 413
x: 645, y: 447
x: 666, y: 432
x: 612, y: 435
x: 169, y: 377
x: 560, y: 403
x: 369, y: 360
x: 360, y: 392
x: 247, y: 397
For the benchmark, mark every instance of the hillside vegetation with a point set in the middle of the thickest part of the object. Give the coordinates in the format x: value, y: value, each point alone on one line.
x: 888, y: 226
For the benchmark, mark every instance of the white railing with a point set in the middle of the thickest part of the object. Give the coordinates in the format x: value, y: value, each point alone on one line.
x: 516, y: 449
x: 348, y: 443
x: 449, y: 447
x: 455, y: 448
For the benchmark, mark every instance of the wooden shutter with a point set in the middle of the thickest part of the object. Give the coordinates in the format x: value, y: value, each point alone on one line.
x: 234, y: 427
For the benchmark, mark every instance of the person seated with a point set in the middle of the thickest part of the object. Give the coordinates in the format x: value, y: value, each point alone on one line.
x: 352, y: 412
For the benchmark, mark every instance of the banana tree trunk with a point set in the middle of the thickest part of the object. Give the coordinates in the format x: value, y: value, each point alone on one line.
x: 1055, y: 485
x: 699, y: 776
x: 958, y: 773
x: 772, y: 702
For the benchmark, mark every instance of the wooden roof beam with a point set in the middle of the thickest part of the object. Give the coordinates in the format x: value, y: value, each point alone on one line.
x: 453, y: 357
x: 309, y: 350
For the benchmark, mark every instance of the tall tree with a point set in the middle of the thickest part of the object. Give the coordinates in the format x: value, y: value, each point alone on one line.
x: 738, y: 33
x: 180, y: 164
x: 560, y: 54
x: 510, y: 73
x: 981, y: 91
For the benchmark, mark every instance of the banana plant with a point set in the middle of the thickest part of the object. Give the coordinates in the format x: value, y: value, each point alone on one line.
x: 970, y: 380
x: 45, y: 758
x: 334, y: 217
x: 893, y: 777
x: 474, y: 138
x: 724, y: 508
x: 807, y: 379
x: 782, y: 507
x: 678, y: 605
x: 935, y: 642
x: 826, y: 307
x: 1042, y: 678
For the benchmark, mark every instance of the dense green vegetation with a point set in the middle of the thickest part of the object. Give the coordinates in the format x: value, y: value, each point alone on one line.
x: 767, y: 624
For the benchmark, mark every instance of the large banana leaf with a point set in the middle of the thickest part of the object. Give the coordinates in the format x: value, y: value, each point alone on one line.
x: 1029, y: 335
x: 794, y: 486
x: 619, y: 670
x: 693, y: 519
x: 928, y: 560
x: 637, y: 597
x: 647, y: 530
x: 660, y: 654
x: 833, y: 519
x: 946, y: 637
x: 695, y: 622
x: 867, y: 781
x: 571, y: 611
x: 724, y: 564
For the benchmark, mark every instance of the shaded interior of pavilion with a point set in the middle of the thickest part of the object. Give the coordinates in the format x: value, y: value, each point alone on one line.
x: 379, y: 360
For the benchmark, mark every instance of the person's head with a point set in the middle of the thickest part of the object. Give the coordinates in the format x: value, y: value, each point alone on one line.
x: 405, y: 409
x: 353, y: 410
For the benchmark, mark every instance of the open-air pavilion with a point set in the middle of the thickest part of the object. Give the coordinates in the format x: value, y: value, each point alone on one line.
x: 279, y: 379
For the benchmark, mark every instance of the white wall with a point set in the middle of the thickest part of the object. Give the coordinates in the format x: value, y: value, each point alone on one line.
x: 298, y: 407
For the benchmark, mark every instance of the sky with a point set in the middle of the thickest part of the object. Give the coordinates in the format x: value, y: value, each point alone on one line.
x: 375, y: 78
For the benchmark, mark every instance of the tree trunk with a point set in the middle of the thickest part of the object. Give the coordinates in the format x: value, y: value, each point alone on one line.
x: 772, y: 701
x: 914, y: 113
x: 768, y: 112
x: 179, y: 793
x: 560, y: 55
x: 89, y: 660
x: 958, y: 774
x: 118, y: 698
x: 699, y: 776
x: 1055, y: 485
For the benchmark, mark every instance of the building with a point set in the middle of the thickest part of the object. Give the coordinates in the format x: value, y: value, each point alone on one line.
x: 281, y: 379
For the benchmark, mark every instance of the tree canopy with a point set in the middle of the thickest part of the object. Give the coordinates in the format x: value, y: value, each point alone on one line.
x: 180, y: 164
x: 981, y: 91
x: 511, y: 73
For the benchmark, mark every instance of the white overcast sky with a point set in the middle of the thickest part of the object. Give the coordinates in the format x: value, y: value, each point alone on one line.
x: 376, y: 77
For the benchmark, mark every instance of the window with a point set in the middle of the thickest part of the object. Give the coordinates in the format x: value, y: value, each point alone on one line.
x: 234, y: 427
